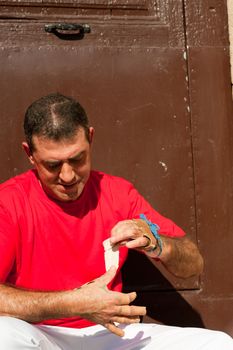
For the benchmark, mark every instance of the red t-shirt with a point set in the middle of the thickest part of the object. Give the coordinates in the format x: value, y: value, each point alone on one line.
x: 49, y: 245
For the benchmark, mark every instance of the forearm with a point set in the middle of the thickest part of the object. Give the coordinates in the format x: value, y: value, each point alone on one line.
x: 36, y: 306
x: 92, y: 301
x: 180, y: 256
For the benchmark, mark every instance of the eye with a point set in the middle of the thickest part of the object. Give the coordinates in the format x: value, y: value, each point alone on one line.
x: 52, y: 166
x: 77, y: 161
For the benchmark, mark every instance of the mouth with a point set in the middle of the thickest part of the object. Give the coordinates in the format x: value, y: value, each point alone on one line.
x: 68, y: 187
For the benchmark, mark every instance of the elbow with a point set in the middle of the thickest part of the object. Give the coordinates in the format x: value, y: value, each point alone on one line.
x: 195, y: 270
x: 192, y: 269
x: 200, y: 265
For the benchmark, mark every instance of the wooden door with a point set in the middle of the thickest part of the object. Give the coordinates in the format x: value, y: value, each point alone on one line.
x: 132, y: 74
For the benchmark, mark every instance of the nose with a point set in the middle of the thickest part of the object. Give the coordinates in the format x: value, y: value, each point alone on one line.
x: 67, y: 174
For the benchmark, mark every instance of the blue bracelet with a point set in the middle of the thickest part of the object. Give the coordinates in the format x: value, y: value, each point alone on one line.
x: 154, y: 229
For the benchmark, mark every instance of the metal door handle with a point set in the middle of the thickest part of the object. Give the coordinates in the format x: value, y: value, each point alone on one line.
x: 82, y: 28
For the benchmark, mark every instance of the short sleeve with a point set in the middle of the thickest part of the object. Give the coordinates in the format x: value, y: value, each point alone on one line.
x: 140, y: 206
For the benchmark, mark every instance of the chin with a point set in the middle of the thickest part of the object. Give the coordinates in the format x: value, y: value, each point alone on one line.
x: 68, y: 198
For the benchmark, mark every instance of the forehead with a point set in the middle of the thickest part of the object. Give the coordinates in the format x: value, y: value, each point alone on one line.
x: 62, y: 149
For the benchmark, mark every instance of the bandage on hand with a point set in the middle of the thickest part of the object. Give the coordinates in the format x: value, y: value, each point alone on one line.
x: 146, y: 232
x: 111, y: 254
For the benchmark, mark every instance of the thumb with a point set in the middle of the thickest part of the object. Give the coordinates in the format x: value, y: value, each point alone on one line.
x: 108, y: 276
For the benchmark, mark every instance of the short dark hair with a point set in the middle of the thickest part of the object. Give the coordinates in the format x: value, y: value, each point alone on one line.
x: 55, y: 117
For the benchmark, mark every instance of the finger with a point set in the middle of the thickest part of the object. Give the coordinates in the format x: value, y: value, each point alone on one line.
x: 114, y: 329
x: 132, y: 296
x: 121, y: 238
x: 126, y: 320
x: 127, y: 310
x: 123, y: 223
x: 124, y: 298
x: 107, y: 276
x: 139, y: 242
x: 123, y: 231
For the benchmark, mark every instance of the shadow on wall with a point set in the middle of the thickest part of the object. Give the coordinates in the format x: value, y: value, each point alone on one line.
x: 164, y: 303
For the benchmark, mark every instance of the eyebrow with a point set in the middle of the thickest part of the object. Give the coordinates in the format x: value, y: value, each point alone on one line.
x: 54, y: 161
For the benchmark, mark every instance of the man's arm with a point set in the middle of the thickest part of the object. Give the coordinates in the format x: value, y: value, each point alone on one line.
x: 93, y: 301
x: 180, y: 255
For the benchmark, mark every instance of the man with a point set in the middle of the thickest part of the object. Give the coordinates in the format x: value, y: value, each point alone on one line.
x: 55, y: 292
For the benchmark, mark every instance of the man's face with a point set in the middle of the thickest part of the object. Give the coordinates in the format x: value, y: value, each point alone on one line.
x: 63, y: 166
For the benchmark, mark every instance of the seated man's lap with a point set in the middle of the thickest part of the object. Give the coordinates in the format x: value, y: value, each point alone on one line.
x: 17, y: 334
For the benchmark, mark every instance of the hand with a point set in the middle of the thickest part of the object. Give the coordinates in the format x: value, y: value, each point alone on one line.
x: 105, y: 307
x: 130, y: 234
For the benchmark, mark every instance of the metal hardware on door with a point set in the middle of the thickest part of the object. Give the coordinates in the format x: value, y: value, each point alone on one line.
x: 68, y: 31
x: 55, y: 27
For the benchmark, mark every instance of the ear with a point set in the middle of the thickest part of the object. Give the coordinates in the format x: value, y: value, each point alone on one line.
x: 28, y: 152
x: 91, y: 134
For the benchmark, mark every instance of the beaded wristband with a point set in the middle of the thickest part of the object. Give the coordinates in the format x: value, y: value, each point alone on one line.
x: 154, y: 230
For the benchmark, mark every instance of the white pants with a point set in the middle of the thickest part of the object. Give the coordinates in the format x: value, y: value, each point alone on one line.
x: 20, y: 335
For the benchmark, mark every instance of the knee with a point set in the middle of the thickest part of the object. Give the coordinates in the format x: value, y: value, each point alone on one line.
x: 222, y: 340
x: 16, y: 334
